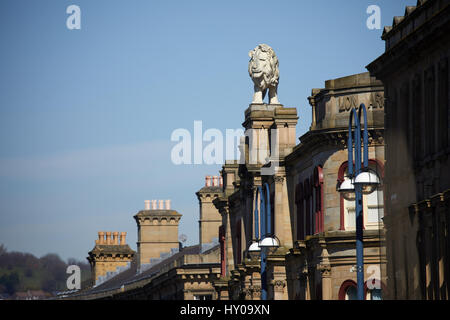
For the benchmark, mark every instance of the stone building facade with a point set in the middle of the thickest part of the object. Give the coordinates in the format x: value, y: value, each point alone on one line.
x: 161, y: 269
x: 415, y: 72
x: 309, y: 217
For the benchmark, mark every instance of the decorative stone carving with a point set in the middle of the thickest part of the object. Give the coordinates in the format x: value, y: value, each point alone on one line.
x: 325, y: 270
x: 376, y: 100
x: 279, y: 285
x: 263, y: 69
x: 278, y: 179
x: 257, y: 293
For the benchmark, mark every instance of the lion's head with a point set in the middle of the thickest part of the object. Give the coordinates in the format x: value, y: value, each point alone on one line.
x: 263, y: 67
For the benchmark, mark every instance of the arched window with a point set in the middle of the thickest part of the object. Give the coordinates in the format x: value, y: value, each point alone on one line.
x: 373, y: 204
x: 238, y: 242
x: 318, y: 199
x: 348, y: 290
x: 222, y: 250
x: 299, y: 202
x: 272, y: 212
x: 308, y: 194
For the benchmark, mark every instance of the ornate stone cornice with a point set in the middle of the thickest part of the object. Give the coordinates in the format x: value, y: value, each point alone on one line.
x: 331, y: 137
x: 325, y: 270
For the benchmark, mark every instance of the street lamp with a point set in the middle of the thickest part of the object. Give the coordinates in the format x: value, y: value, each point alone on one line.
x: 268, y: 242
x: 367, y: 180
x: 254, y: 250
x: 347, y: 189
x: 362, y: 181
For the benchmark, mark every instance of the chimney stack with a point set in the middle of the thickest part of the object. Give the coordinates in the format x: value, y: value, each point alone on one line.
x: 147, y: 204
x: 122, y: 238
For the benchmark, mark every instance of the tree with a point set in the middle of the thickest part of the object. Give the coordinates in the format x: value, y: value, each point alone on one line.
x: 10, y: 282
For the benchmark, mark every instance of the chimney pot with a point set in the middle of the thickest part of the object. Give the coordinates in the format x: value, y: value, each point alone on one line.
x: 207, y: 181
x: 147, y: 204
x: 161, y: 204
x: 122, y: 238
x: 108, y: 237
x: 215, y: 181
x: 101, y: 237
x: 220, y: 181
x: 115, y: 238
x: 154, y: 204
x: 167, y: 204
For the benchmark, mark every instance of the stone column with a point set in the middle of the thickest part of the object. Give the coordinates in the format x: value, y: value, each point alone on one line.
x: 279, y: 289
x: 282, y: 228
x: 327, y: 293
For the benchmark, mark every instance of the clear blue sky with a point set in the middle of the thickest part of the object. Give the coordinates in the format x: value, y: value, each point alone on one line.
x: 86, y: 115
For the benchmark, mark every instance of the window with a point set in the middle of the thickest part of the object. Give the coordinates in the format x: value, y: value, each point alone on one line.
x: 222, y: 250
x: 238, y: 242
x: 374, y: 294
x: 351, y: 293
x: 300, y: 212
x: 203, y: 297
x: 318, y: 199
x: 348, y: 290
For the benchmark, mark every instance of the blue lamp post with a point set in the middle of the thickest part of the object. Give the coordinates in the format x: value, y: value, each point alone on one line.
x: 267, y: 241
x: 362, y: 181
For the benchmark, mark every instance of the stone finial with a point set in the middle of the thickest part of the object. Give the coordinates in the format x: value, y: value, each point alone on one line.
x: 115, y: 238
x: 147, y: 204
x: 263, y: 69
x: 167, y: 204
x: 123, y: 235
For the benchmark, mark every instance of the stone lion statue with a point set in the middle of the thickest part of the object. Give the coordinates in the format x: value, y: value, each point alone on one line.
x: 263, y: 69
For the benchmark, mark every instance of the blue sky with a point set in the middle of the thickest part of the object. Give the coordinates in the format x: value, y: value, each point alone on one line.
x: 86, y: 115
